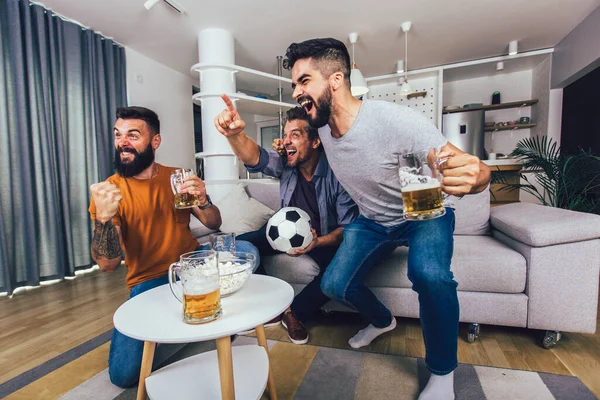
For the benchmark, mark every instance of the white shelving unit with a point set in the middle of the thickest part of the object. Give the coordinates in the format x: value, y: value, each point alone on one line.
x: 250, y: 79
x: 248, y: 104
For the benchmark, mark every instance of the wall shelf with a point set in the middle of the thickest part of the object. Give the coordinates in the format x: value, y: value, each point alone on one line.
x: 509, y: 127
x: 250, y: 79
x: 248, y: 104
x: 492, y: 107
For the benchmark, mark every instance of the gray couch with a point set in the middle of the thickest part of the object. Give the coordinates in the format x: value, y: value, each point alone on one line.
x: 520, y: 264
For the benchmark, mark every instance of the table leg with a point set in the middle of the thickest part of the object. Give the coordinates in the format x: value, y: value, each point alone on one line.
x: 225, y: 368
x: 147, y: 358
x: 262, y: 340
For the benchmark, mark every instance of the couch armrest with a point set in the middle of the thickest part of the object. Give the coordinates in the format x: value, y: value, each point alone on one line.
x: 538, y: 226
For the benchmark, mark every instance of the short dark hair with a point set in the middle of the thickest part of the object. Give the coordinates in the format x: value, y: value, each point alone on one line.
x: 298, y: 113
x: 145, y: 114
x: 330, y: 54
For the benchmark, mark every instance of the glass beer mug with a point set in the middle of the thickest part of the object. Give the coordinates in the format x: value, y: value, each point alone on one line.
x: 182, y: 200
x: 198, y: 287
x: 421, y: 184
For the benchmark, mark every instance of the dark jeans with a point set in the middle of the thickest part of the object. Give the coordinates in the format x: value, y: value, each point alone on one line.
x: 308, y: 302
x: 430, y: 246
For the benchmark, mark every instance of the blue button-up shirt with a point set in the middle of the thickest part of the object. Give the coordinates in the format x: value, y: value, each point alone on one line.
x: 336, y: 208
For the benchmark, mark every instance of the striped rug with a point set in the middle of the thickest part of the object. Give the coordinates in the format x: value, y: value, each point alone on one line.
x: 314, y: 373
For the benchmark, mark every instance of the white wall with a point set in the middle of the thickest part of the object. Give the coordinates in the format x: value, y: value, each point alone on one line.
x: 578, y: 53
x: 168, y: 93
x: 512, y: 87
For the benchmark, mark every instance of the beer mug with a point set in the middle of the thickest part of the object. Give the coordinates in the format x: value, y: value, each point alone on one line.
x: 198, y: 287
x: 222, y: 242
x: 182, y: 200
x: 420, y: 183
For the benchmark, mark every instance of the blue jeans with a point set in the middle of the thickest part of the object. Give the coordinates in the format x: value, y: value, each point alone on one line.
x: 430, y: 245
x: 125, y: 356
x: 308, y: 302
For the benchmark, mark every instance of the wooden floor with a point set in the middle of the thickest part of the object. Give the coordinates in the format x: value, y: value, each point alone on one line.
x: 42, y: 323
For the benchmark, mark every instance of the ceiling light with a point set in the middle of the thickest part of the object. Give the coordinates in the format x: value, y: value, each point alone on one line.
x: 513, y: 48
x: 150, y: 3
x: 400, y: 66
x: 358, y: 85
x: 406, y: 89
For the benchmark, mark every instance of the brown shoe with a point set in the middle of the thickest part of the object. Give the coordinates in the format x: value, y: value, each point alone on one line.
x: 296, y: 330
x: 274, y: 322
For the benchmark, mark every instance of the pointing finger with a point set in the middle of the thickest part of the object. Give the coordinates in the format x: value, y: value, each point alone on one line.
x: 228, y: 102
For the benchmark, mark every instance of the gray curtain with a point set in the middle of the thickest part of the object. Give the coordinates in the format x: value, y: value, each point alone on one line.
x: 59, y: 87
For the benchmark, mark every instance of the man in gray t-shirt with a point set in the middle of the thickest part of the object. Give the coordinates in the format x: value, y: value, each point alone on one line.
x: 362, y: 140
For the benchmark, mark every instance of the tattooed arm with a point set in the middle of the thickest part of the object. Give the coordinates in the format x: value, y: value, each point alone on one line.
x: 106, y: 246
x: 106, y: 242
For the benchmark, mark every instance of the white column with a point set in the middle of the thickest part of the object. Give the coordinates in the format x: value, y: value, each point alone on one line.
x: 216, y: 46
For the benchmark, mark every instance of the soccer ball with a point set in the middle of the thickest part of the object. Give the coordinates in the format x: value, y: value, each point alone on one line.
x: 289, y: 229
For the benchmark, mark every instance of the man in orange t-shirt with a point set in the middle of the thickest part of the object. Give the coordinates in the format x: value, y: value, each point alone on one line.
x: 134, y: 211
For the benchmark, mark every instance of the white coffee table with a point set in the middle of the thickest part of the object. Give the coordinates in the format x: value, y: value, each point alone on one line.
x: 155, y: 317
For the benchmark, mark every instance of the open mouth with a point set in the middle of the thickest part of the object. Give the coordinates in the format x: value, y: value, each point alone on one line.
x: 306, y: 104
x: 291, y: 152
x: 127, y: 153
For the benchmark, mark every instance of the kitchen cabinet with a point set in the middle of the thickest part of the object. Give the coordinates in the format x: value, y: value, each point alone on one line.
x: 510, y: 171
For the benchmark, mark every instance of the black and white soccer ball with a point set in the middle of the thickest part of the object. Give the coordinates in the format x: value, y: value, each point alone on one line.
x: 289, y: 229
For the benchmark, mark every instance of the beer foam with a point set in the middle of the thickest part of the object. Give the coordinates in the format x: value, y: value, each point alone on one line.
x: 196, y: 288
x: 421, y: 186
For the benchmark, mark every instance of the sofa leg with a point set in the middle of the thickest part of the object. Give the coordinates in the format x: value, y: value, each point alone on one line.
x: 550, y: 339
x: 473, y: 332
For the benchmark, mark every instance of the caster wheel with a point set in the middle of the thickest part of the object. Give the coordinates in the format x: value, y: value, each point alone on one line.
x: 473, y: 333
x: 550, y: 339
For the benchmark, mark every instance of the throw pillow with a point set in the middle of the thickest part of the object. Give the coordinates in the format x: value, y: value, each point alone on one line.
x: 241, y: 213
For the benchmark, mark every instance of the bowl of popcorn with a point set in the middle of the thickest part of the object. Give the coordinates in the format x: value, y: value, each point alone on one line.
x: 234, y: 270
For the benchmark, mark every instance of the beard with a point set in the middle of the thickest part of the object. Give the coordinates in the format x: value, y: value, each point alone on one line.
x: 140, y: 161
x: 323, y: 110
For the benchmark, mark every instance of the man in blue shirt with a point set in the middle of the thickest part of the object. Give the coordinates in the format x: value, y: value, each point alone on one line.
x: 306, y: 182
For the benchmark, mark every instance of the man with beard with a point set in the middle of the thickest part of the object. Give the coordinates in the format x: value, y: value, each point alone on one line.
x: 363, y: 140
x: 306, y: 182
x: 134, y: 211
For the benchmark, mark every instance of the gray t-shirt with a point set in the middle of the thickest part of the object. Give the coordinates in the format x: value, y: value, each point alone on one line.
x: 365, y: 159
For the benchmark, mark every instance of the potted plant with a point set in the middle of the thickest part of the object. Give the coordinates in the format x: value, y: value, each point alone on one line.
x: 570, y: 181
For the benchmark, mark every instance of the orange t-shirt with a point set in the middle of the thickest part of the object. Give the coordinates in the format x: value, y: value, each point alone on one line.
x: 154, y: 233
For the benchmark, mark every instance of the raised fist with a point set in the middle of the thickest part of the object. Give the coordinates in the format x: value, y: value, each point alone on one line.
x: 106, y: 197
x: 279, y: 147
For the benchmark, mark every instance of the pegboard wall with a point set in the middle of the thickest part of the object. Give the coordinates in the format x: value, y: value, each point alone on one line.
x: 427, y: 105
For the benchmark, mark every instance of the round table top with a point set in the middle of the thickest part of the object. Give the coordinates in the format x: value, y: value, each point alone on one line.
x: 156, y: 315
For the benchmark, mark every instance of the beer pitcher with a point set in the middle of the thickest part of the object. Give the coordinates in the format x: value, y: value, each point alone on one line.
x: 421, y: 184
x: 198, y: 286
x: 182, y: 200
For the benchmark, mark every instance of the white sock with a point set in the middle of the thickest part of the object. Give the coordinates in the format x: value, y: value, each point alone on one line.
x: 439, y: 387
x: 364, y: 337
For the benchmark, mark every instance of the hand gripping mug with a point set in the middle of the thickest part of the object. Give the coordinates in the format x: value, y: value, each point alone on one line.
x: 198, y: 286
x: 421, y: 184
x: 182, y: 200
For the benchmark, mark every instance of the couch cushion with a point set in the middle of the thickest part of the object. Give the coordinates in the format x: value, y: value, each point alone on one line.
x: 472, y: 213
x: 538, y: 225
x: 198, y: 228
x: 264, y: 190
x: 479, y: 263
x: 240, y: 213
